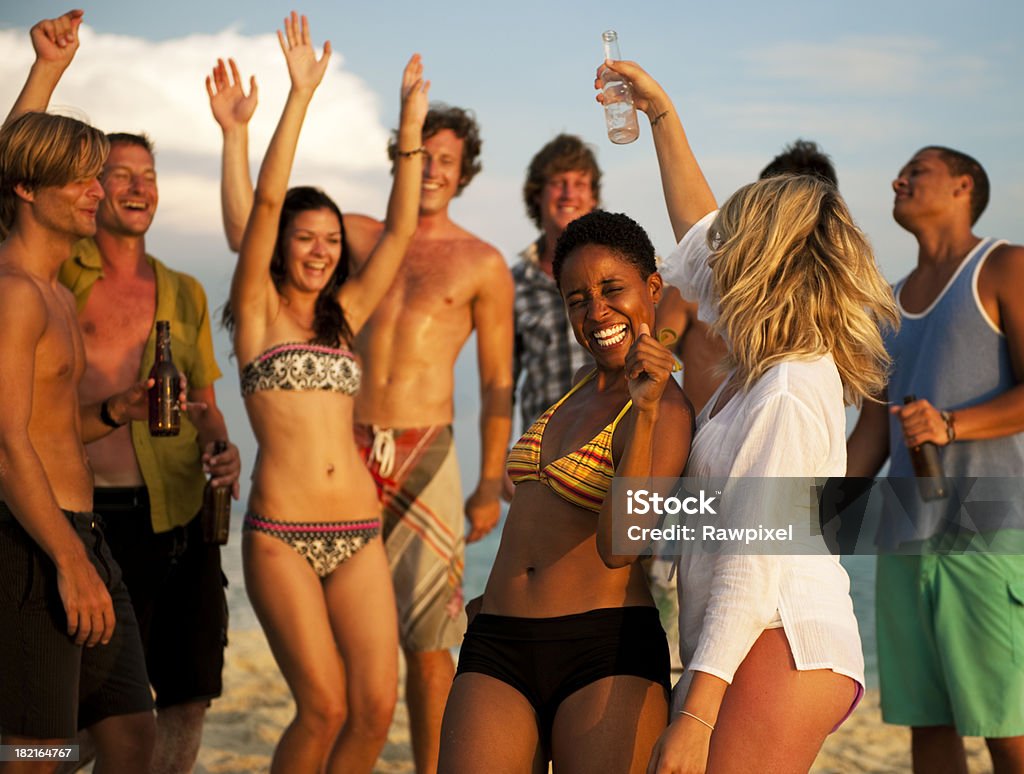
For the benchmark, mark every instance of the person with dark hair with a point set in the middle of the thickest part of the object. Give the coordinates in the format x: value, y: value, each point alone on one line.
x: 802, y: 157
x: 563, y: 182
x: 565, y: 659
x: 315, y: 567
x: 70, y: 654
x: 450, y: 285
x: 149, y: 492
x: 948, y: 665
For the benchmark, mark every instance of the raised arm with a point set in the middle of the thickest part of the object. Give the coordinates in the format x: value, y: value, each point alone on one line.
x: 232, y: 108
x: 687, y: 194
x: 370, y: 279
x: 55, y: 42
x: 655, y: 438
x: 251, y: 286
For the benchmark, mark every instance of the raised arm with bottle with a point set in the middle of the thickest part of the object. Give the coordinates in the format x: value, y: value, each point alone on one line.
x: 687, y: 194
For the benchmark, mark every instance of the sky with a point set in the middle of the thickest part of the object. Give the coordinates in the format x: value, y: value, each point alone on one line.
x: 871, y: 82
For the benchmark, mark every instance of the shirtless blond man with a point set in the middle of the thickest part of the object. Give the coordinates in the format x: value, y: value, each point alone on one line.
x: 149, y: 493
x: 450, y: 284
x: 70, y: 655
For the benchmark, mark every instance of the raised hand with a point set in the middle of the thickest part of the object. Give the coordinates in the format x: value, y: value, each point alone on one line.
x: 56, y: 40
x: 649, y: 366
x: 304, y: 69
x: 231, y: 106
x: 415, y: 93
x: 647, y: 92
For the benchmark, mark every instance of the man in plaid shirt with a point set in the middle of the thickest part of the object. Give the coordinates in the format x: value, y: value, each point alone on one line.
x: 562, y: 184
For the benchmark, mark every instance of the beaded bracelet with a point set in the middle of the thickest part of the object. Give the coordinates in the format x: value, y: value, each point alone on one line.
x: 411, y: 153
x: 947, y: 417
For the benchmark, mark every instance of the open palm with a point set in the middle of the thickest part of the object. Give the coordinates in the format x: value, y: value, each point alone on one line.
x: 415, y: 92
x: 230, y: 104
x: 304, y: 69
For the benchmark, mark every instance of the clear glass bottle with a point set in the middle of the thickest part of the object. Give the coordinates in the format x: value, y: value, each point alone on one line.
x: 619, y: 113
x: 217, y: 507
x: 931, y: 482
x: 164, y: 414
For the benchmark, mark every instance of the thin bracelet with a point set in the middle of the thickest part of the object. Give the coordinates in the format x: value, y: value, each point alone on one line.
x: 657, y: 118
x: 106, y: 418
x: 411, y: 153
x: 699, y: 720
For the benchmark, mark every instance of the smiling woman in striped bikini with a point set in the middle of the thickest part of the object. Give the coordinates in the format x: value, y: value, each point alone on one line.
x: 566, y: 659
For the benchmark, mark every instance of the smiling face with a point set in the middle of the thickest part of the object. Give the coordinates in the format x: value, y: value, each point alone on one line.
x: 442, y: 171
x: 129, y: 181
x: 607, y: 300
x: 312, y: 249
x: 565, y: 197
x: 69, y: 209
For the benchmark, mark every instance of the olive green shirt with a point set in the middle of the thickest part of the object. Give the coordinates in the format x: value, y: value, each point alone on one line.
x: 171, y: 465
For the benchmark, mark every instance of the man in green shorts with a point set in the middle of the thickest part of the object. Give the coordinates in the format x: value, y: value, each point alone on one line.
x: 950, y: 595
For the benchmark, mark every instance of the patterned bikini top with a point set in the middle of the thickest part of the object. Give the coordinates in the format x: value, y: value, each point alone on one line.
x: 301, y: 367
x: 582, y: 477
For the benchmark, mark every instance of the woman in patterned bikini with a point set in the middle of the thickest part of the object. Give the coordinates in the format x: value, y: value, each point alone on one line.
x: 566, y: 659
x: 315, y: 568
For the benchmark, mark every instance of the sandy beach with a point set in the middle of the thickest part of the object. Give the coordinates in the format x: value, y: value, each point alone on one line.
x: 243, y: 726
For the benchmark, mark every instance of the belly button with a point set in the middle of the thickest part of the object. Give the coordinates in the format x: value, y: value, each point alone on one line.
x: 330, y: 469
x: 530, y: 570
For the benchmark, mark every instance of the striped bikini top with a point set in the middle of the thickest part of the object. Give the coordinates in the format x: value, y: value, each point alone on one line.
x: 301, y: 366
x: 582, y: 477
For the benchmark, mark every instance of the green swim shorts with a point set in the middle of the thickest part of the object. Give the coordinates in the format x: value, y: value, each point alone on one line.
x: 951, y: 641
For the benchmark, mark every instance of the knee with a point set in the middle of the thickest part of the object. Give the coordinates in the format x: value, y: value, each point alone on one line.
x: 371, y: 714
x: 126, y: 743
x: 322, y: 713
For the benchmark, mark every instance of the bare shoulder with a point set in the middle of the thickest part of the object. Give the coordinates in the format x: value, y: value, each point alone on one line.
x: 1006, y: 261
x: 361, y: 233
x: 22, y: 304
x: 488, y: 262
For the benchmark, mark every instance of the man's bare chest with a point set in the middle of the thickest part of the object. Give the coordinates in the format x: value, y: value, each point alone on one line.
x: 118, y: 316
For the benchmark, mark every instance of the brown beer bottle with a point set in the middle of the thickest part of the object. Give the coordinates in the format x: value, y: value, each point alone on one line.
x: 931, y: 483
x: 217, y: 507
x: 164, y: 412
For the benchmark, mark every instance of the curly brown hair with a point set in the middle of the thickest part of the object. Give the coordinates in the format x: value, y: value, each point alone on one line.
x: 565, y: 153
x: 463, y: 124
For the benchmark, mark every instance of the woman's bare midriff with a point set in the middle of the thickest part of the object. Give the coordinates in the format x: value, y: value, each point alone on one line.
x: 547, y: 564
x: 308, y: 467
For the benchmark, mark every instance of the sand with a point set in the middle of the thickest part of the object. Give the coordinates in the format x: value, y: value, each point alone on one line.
x: 243, y: 726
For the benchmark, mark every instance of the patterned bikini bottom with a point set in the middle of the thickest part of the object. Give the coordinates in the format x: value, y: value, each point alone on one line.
x: 324, y: 544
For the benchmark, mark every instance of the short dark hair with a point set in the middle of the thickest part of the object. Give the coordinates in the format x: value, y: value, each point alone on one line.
x: 614, y: 230
x: 565, y: 153
x: 330, y: 328
x: 802, y: 157
x: 127, y: 138
x: 959, y: 163
x: 463, y: 124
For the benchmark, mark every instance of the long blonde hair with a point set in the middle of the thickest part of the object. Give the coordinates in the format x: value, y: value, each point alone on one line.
x: 796, y: 277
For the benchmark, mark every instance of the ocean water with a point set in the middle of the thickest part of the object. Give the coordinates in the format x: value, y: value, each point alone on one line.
x: 480, y: 556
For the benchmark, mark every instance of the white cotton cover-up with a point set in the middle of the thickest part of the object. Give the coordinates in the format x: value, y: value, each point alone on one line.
x: 791, y: 423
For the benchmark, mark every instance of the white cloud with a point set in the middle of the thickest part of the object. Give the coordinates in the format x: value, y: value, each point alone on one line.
x: 125, y: 83
x: 870, y: 66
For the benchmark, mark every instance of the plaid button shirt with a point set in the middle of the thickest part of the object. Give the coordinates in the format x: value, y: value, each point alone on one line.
x: 546, y: 352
